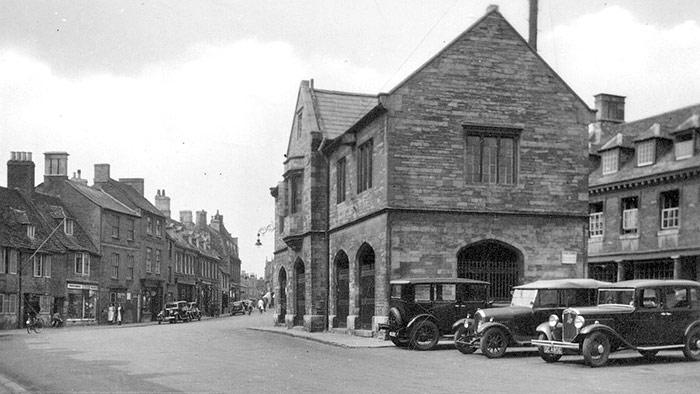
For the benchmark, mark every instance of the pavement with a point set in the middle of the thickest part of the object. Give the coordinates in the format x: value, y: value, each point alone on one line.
x: 340, y: 339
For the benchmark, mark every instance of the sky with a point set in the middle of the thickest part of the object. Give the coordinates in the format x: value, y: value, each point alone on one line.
x: 197, y: 97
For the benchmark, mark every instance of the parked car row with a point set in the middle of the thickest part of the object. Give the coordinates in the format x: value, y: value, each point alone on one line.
x: 179, y: 311
x: 565, y: 316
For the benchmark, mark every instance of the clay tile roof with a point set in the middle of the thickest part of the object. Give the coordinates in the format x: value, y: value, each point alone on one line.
x: 102, y: 199
x: 693, y: 122
x: 338, y: 111
x: 655, y: 131
x: 618, y: 141
x: 128, y: 196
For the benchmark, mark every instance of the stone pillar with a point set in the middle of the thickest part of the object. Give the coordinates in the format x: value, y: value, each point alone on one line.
x: 620, y: 270
x: 677, y: 267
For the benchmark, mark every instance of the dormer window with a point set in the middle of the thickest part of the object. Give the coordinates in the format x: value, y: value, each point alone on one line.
x: 645, y: 153
x: 31, y: 231
x: 684, y: 146
x: 68, y: 227
x: 611, y: 161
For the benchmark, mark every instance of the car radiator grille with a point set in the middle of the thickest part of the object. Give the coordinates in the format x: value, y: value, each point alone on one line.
x: 569, y: 331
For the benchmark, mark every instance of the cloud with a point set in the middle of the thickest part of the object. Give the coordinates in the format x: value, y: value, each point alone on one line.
x: 613, y: 52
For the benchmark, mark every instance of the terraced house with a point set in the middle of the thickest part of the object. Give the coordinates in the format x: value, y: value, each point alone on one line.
x: 644, y: 194
x: 47, y: 261
x: 474, y: 166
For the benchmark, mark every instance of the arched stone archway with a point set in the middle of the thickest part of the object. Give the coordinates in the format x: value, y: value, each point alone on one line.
x: 342, y: 288
x: 282, y: 295
x: 493, y: 261
x: 299, y: 292
x: 366, y: 271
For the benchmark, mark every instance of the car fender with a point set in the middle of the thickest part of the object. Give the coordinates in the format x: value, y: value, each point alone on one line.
x: 461, y: 322
x: 421, y: 317
x: 488, y: 325
x: 587, y: 330
x: 691, y: 326
x: 546, y: 329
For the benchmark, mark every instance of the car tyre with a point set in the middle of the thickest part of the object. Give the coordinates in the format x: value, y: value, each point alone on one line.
x: 547, y: 357
x: 691, y: 350
x: 424, y: 335
x: 461, y: 335
x: 596, y: 349
x: 494, y: 343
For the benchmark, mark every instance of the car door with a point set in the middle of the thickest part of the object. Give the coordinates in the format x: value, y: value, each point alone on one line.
x: 548, y: 302
x: 646, y: 325
x: 676, y: 315
x: 445, y: 305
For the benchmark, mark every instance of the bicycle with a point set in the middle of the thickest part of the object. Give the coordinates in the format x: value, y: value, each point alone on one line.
x: 34, y: 323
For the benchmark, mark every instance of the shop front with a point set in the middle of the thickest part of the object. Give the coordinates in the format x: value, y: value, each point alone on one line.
x: 151, y: 298
x: 186, y: 290
x: 80, y: 304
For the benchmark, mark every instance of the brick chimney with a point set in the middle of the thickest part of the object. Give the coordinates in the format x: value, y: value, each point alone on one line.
x: 20, y: 172
x: 136, y: 183
x: 610, y: 108
x: 201, y: 218
x: 101, y: 173
x: 186, y: 217
x: 163, y: 202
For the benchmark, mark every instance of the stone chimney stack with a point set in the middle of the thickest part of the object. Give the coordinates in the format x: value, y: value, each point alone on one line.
x: 610, y: 108
x: 201, y: 218
x: 217, y: 221
x: 163, y: 202
x: 55, y: 167
x: 186, y: 217
x: 136, y: 183
x: 101, y: 173
x: 532, y: 39
x: 77, y: 178
x: 20, y: 172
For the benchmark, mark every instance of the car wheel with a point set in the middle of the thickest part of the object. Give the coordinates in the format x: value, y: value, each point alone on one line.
x: 462, y: 339
x: 547, y: 357
x: 648, y: 354
x: 691, y: 350
x: 596, y: 349
x: 494, y: 343
x: 424, y: 335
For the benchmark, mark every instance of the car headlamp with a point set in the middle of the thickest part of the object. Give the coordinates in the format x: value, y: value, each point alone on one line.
x: 553, y: 320
x: 579, y: 321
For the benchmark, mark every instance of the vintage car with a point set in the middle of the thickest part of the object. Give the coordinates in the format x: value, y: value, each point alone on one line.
x: 193, y: 311
x: 174, y: 312
x: 494, y: 330
x: 424, y: 310
x: 646, y: 315
x: 238, y: 307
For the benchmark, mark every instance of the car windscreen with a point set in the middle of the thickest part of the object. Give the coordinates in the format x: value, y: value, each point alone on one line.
x: 524, y: 297
x: 616, y: 297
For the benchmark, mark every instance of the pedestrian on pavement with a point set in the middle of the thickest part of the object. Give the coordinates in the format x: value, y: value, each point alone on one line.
x: 261, y: 305
x: 120, y: 312
x: 110, y: 314
x: 250, y: 308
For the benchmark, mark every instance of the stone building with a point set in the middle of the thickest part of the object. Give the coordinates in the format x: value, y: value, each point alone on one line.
x: 474, y: 166
x: 46, y: 258
x: 644, y: 191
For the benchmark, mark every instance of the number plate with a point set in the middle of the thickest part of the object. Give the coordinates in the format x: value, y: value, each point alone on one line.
x: 552, y: 350
x: 392, y: 334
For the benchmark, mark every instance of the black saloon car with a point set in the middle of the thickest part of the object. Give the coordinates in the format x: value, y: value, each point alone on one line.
x: 423, y: 310
x: 645, y: 315
x: 494, y: 330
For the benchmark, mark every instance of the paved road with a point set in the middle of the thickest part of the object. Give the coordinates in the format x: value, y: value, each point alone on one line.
x: 222, y: 355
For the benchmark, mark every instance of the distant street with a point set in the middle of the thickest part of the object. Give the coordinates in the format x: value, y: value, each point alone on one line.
x: 221, y: 355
